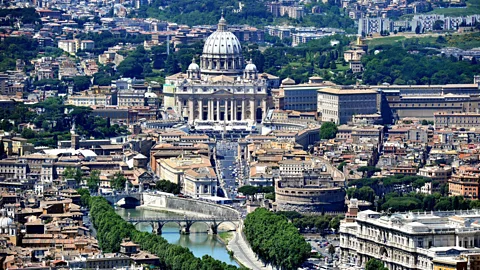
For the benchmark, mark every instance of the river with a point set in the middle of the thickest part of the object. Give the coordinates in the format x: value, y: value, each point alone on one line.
x: 198, y: 241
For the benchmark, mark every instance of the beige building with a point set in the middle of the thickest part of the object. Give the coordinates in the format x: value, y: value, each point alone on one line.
x: 173, y: 169
x: 294, y: 12
x: 458, y: 120
x: 200, y: 182
x: 338, y: 105
x: 353, y: 55
x: 13, y: 169
x: 220, y: 89
x: 436, y: 173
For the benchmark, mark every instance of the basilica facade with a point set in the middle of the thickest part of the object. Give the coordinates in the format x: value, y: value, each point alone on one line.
x: 222, y: 89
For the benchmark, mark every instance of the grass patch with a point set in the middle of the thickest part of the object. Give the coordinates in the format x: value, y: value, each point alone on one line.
x: 341, y: 67
x: 159, y: 79
x: 384, y: 40
x: 225, y: 236
x: 467, y: 41
x: 473, y: 7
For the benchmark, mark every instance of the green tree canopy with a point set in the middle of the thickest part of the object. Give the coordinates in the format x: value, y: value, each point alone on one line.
x: 167, y: 186
x: 119, y: 180
x: 374, y: 264
x: 328, y: 130
x: 275, y: 240
x: 73, y: 173
x: 93, y: 181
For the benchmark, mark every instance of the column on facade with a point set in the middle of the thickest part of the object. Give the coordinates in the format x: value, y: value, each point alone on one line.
x: 200, y: 109
x: 190, y: 110
x: 179, y: 107
x: 243, y: 110
x: 234, y: 108
x: 212, y: 109
x: 264, y: 108
x: 208, y: 109
x: 225, y: 115
x: 218, y: 110
x: 252, y: 109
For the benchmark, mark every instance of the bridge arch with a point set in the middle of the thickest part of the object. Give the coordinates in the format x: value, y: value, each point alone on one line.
x: 134, y: 199
x: 157, y: 226
x: 233, y: 222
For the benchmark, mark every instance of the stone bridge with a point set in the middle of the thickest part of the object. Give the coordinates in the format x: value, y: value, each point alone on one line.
x: 184, y: 223
x: 124, y: 198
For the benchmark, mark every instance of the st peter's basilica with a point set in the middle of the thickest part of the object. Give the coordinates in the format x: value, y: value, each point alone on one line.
x: 222, y: 89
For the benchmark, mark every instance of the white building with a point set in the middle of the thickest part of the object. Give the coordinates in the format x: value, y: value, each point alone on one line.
x: 294, y: 167
x: 409, y: 240
x: 89, y: 100
x: 87, y: 45
x: 339, y: 105
x: 13, y: 169
x: 69, y: 46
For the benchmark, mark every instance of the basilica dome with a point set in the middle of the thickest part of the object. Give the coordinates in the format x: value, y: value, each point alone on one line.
x: 222, y: 53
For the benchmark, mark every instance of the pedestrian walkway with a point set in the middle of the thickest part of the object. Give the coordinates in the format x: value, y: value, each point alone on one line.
x: 243, y: 253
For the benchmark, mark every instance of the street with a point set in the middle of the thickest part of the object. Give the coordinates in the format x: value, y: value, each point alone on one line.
x: 228, y: 166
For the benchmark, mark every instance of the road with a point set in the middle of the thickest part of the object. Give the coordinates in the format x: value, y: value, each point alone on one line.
x: 228, y: 166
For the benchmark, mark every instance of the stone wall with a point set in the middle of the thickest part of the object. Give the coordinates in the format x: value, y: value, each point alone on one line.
x: 183, y: 204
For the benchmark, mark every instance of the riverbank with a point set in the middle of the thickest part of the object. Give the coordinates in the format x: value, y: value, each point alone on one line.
x: 242, y: 252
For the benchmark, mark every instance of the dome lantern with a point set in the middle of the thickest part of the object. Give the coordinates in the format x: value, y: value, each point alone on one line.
x: 222, y: 24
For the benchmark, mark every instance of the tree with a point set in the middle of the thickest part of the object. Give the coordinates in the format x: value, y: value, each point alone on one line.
x: 331, y: 250
x: 275, y: 240
x: 81, y: 83
x: 167, y: 186
x: 438, y: 25
x: 119, y: 180
x: 3, y: 154
x: 418, y: 29
x: 441, y: 40
x: 248, y: 190
x: 328, y: 130
x: 84, y: 196
x: 93, y: 181
x: 364, y: 193
x: 335, y: 223
x: 73, y: 173
x: 172, y: 66
x: 374, y: 264
x: 369, y: 170
x: 28, y: 133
